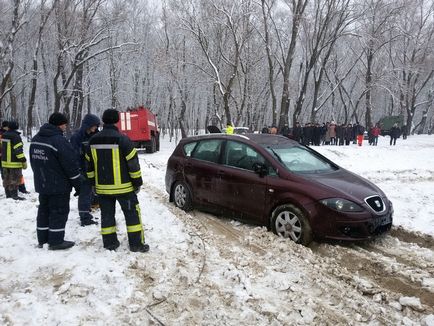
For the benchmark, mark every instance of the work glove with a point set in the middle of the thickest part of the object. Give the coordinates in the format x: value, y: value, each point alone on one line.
x: 24, y: 165
x: 137, y: 190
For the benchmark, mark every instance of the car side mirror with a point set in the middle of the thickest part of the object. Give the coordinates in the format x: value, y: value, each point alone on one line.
x: 260, y: 169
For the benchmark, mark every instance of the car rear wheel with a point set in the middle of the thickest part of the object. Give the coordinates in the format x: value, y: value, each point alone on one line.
x: 182, y: 196
x: 288, y: 221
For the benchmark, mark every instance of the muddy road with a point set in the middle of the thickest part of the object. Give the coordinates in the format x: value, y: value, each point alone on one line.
x: 389, y: 280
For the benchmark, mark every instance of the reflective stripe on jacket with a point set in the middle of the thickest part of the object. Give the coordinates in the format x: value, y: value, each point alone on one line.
x: 113, y: 163
x: 12, y: 150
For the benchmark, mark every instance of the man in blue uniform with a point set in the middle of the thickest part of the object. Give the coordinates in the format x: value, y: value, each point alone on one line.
x: 113, y: 166
x: 80, y: 141
x: 56, y: 171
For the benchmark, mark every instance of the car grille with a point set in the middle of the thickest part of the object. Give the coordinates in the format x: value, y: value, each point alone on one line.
x: 376, y: 203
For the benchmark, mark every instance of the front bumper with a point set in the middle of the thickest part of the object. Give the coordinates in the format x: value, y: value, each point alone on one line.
x: 329, y: 224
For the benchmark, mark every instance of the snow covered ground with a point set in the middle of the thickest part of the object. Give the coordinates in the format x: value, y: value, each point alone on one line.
x: 202, y: 270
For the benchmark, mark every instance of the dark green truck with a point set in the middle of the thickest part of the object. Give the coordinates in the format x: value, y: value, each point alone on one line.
x: 386, y: 123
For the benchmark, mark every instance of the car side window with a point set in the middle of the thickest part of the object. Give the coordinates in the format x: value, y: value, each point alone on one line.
x: 208, y: 150
x: 241, y: 156
x: 188, y: 148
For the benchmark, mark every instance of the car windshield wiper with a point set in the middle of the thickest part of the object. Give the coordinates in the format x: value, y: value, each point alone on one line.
x: 277, y: 155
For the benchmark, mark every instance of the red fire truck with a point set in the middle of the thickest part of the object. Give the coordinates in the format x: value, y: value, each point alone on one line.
x: 140, y: 125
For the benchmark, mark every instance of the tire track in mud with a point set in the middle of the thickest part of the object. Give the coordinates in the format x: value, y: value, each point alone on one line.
x: 385, y: 269
x: 335, y: 266
x: 422, y: 240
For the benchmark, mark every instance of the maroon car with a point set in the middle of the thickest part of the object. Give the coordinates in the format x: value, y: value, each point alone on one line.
x: 274, y: 181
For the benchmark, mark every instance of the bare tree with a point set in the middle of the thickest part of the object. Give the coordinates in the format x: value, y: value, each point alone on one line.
x: 376, y: 30
x: 222, y: 36
x: 267, y: 7
x: 298, y: 7
x: 411, y: 58
x: 330, y: 20
x: 44, y: 15
x: 7, y: 50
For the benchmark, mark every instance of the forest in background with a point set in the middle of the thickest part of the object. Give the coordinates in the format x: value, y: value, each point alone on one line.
x: 252, y: 63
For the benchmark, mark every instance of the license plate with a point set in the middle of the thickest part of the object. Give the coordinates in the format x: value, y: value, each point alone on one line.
x: 383, y: 220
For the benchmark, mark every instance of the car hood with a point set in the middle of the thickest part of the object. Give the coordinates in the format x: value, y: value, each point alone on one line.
x: 345, y: 184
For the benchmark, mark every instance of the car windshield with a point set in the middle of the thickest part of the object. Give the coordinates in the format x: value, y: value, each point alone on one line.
x: 298, y: 159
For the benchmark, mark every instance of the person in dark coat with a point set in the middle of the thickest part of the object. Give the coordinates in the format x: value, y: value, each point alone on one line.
x: 404, y: 132
x: 395, y: 132
x: 79, y: 141
x: 3, y: 129
x: 316, y: 134
x: 13, y: 160
x: 55, y: 171
x: 286, y: 131
x: 348, y: 134
x: 114, y: 168
x: 340, y: 134
x: 297, y: 133
x: 307, y: 134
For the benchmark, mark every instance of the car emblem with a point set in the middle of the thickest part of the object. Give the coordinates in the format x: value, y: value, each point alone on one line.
x: 377, y: 202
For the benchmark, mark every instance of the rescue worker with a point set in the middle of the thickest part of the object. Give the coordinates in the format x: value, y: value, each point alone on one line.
x: 56, y: 171
x: 3, y: 129
x: 13, y: 160
x: 229, y: 129
x: 79, y: 141
x: 113, y: 166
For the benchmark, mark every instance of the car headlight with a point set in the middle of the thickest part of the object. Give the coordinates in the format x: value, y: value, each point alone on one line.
x: 341, y: 205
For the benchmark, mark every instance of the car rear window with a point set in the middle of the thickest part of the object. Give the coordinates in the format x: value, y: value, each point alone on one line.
x: 188, y: 148
x: 208, y: 150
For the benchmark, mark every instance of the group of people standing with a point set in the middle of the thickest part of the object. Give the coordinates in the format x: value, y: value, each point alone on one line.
x: 104, y: 163
x: 331, y: 133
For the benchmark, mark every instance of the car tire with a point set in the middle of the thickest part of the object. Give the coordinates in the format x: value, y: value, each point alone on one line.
x: 288, y: 221
x: 182, y: 196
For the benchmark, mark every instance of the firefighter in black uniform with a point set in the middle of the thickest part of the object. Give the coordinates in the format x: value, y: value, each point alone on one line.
x: 13, y: 160
x: 55, y: 171
x: 113, y: 166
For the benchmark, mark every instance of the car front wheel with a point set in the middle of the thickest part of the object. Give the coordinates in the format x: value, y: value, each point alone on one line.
x: 288, y: 221
x: 182, y: 196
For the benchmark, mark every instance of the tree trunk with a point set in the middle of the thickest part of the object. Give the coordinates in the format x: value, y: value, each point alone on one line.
x: 368, y: 83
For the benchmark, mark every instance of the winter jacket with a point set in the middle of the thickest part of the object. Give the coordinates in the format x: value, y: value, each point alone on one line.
x: 375, y: 131
x: 395, y: 132
x: 113, y: 164
x: 12, y: 150
x: 54, y: 164
x: 297, y: 133
x: 349, y: 133
x: 2, y: 131
x: 80, y: 139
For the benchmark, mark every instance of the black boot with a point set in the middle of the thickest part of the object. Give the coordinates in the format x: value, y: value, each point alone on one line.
x: 61, y: 246
x: 8, y: 193
x: 22, y: 189
x: 88, y: 221
x: 112, y: 246
x: 140, y: 248
x: 14, y: 195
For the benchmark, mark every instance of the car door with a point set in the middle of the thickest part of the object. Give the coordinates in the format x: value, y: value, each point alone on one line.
x: 201, y: 168
x: 242, y: 192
